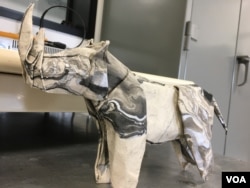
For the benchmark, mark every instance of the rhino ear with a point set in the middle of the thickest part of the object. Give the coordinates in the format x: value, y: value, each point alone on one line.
x: 26, y: 34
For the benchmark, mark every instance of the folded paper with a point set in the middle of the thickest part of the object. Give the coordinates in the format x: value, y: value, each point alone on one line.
x: 130, y: 109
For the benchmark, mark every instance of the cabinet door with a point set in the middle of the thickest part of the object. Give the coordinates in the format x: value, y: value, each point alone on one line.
x: 210, y: 60
x: 238, y: 140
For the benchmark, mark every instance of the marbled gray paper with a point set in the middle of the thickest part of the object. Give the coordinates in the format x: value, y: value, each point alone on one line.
x: 130, y: 109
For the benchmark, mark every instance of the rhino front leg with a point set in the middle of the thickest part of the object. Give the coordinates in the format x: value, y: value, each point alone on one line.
x: 102, y: 169
x: 125, y: 158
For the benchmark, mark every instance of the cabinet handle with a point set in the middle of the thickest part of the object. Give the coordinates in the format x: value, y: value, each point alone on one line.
x: 244, y: 59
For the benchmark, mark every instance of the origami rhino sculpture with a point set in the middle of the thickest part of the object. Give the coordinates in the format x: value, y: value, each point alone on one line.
x: 130, y: 110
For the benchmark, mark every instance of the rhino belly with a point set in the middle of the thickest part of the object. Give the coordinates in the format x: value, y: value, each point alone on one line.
x: 163, y: 116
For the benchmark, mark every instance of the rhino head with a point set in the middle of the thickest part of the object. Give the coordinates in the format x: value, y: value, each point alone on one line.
x: 78, y: 71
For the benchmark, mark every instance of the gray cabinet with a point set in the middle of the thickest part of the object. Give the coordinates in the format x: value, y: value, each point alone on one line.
x: 223, y: 35
x: 210, y: 59
x: 149, y: 36
x: 238, y: 140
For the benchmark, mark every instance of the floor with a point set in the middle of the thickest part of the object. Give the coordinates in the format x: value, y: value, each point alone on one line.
x: 58, y: 150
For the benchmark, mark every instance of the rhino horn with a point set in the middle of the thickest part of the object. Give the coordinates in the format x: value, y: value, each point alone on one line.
x: 30, y: 48
x: 26, y: 34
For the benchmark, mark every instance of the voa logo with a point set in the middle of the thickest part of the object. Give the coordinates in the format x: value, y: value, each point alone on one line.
x: 236, y: 179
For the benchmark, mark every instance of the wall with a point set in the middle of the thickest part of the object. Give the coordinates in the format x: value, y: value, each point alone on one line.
x: 146, y: 35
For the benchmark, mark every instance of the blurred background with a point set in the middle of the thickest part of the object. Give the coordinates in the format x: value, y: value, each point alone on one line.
x: 20, y: 131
